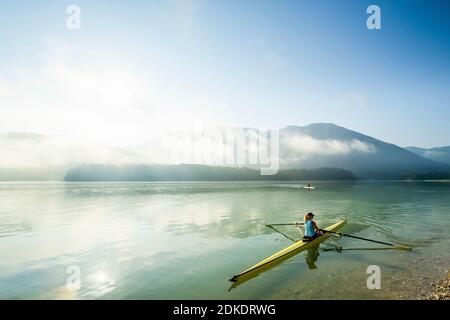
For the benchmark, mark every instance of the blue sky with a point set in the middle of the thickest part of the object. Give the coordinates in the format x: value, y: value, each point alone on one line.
x: 139, y: 68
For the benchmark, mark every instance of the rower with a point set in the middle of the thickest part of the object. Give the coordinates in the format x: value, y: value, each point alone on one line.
x: 312, y: 231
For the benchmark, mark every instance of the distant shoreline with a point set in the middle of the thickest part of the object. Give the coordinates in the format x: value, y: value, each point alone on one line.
x: 205, y: 173
x: 191, y: 181
x: 188, y: 172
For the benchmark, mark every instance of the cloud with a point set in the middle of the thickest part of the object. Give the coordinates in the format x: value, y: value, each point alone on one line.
x: 216, y: 146
x: 209, y: 147
x: 49, y: 151
x: 303, y: 146
x: 69, y: 92
x: 98, y: 96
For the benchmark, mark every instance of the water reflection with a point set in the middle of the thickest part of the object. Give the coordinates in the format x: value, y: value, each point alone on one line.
x: 311, y: 257
x: 149, y: 238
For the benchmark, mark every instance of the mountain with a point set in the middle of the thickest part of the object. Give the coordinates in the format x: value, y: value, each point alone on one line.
x: 441, y: 154
x: 27, y: 156
x: 325, y: 144
x: 35, y: 157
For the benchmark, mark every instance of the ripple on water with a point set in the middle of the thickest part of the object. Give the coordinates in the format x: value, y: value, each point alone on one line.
x: 183, y: 240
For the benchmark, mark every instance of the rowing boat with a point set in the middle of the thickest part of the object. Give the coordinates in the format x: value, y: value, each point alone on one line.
x: 283, y: 255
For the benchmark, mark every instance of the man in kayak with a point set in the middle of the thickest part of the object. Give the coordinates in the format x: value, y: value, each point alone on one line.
x: 312, y: 231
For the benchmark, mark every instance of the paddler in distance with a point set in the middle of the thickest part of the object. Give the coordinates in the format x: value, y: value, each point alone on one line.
x: 312, y: 231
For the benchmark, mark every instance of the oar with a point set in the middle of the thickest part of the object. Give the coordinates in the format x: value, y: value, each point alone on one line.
x: 360, y: 238
x: 286, y: 224
x: 360, y: 249
x: 285, y: 235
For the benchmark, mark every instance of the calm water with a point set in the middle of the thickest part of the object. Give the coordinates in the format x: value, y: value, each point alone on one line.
x: 183, y: 240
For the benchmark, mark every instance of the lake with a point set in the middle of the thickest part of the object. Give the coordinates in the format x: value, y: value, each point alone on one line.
x: 184, y: 240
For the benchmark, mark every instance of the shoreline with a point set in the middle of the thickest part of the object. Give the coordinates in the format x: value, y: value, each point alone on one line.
x: 440, y: 289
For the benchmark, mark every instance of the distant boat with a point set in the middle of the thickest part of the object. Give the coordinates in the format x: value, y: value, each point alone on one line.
x: 309, y: 188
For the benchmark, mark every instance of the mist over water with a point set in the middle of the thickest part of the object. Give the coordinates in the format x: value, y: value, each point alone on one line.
x: 184, y: 240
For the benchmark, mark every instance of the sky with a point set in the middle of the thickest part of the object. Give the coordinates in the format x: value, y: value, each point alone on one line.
x: 139, y: 69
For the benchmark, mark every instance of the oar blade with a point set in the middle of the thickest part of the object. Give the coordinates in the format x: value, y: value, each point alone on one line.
x: 400, y: 247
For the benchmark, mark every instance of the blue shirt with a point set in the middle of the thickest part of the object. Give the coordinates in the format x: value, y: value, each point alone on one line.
x: 309, y: 229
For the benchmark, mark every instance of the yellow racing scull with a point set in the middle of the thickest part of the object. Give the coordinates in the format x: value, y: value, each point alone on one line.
x: 284, y: 254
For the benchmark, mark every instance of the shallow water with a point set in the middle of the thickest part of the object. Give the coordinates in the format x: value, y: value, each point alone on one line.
x: 184, y: 240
